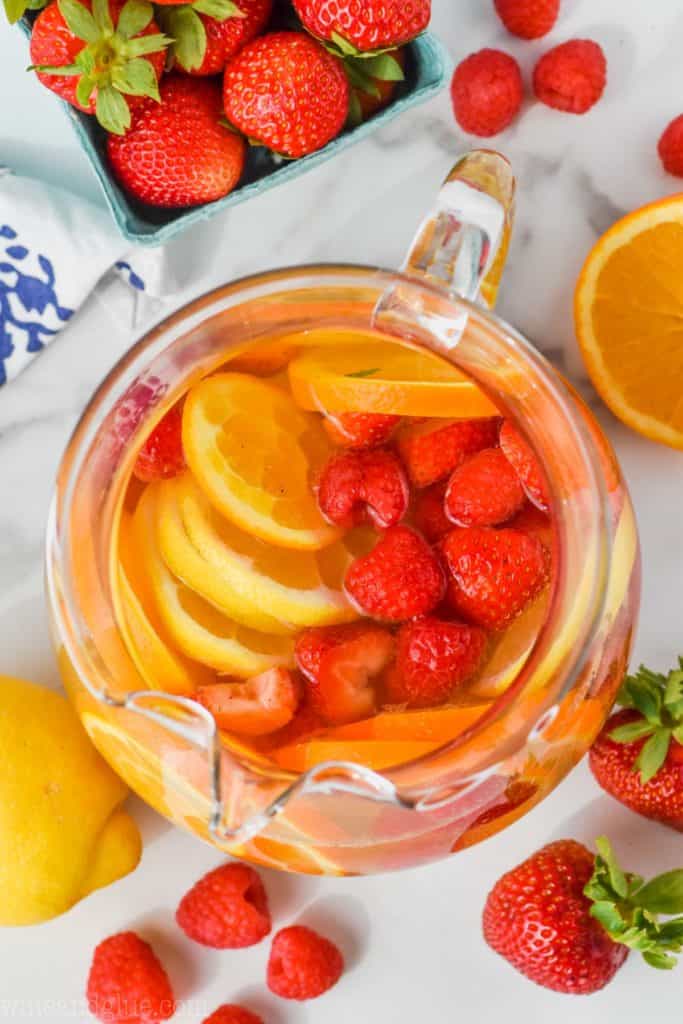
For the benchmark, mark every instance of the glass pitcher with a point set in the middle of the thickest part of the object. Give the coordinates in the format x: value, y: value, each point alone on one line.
x: 341, y: 817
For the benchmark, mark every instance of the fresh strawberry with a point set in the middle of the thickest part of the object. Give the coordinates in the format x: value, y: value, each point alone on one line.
x: 161, y: 456
x: 572, y: 76
x: 226, y: 909
x: 495, y: 573
x: 253, y: 707
x: 486, y: 92
x: 303, y: 964
x: 566, y: 919
x: 230, y: 1013
x: 362, y: 28
x: 203, y: 44
x: 306, y: 723
x: 100, y: 57
x: 177, y: 153
x: 357, y: 486
x: 285, y: 91
x: 484, y: 490
x: 638, y: 756
x: 358, y: 430
x: 539, y: 919
x: 429, y: 514
x: 670, y: 147
x: 525, y: 464
x: 127, y: 984
x: 433, y: 658
x: 430, y: 453
x: 373, y: 83
x: 341, y: 665
x: 528, y: 19
x: 399, y: 579
x: 531, y: 520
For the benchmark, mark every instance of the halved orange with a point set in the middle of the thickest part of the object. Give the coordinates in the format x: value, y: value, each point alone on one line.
x: 629, y: 319
x: 384, y: 377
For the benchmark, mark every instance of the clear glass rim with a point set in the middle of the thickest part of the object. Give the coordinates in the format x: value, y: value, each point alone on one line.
x: 154, y: 339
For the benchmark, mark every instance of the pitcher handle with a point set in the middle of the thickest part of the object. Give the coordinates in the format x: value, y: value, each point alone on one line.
x: 462, y: 243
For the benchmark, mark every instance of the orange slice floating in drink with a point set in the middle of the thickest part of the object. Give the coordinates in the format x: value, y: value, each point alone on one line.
x: 199, y: 629
x: 254, y: 454
x: 384, y: 377
x: 388, y: 739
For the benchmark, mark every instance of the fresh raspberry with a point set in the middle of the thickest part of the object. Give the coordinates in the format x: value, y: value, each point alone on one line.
x: 571, y: 76
x: 430, y: 453
x: 528, y: 19
x: 484, y: 490
x: 127, y: 984
x: 429, y: 514
x: 525, y: 464
x: 357, y: 486
x: 161, y: 456
x: 226, y: 909
x: 486, y: 92
x: 341, y: 663
x: 538, y: 918
x: 433, y: 658
x: 360, y: 429
x: 670, y: 147
x: 496, y: 573
x: 303, y: 964
x: 232, y: 1014
x: 256, y: 706
x: 399, y: 579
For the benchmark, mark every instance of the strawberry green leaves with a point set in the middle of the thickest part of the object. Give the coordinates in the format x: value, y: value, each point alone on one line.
x: 659, y: 701
x: 218, y: 9
x: 134, y: 18
x: 111, y: 65
x: 186, y: 28
x: 80, y: 21
x: 628, y: 908
x: 183, y: 23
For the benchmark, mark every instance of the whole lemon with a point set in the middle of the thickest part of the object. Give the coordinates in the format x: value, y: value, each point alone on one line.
x: 62, y: 830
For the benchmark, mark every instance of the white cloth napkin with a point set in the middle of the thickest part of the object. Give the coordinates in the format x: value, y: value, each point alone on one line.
x: 54, y: 248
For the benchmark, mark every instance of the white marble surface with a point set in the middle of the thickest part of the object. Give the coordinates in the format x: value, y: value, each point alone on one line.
x: 413, y: 939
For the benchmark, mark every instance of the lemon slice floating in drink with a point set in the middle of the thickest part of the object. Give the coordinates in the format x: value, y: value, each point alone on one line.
x: 212, y: 555
x: 199, y: 629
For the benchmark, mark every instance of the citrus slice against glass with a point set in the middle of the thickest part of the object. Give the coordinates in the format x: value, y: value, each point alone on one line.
x: 384, y: 377
x: 255, y: 454
x: 299, y: 588
x: 629, y: 320
x: 199, y: 629
x: 217, y: 585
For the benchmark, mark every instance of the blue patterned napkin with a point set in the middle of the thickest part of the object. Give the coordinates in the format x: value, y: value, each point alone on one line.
x: 54, y: 248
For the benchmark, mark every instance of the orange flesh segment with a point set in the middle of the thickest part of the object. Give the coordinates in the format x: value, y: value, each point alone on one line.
x: 383, y: 377
x: 377, y: 754
x: 629, y: 320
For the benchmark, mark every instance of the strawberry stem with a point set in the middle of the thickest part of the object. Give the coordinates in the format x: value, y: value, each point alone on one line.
x: 658, y: 699
x: 628, y: 908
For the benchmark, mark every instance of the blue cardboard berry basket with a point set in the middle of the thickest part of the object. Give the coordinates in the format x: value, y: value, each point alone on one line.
x: 427, y: 67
